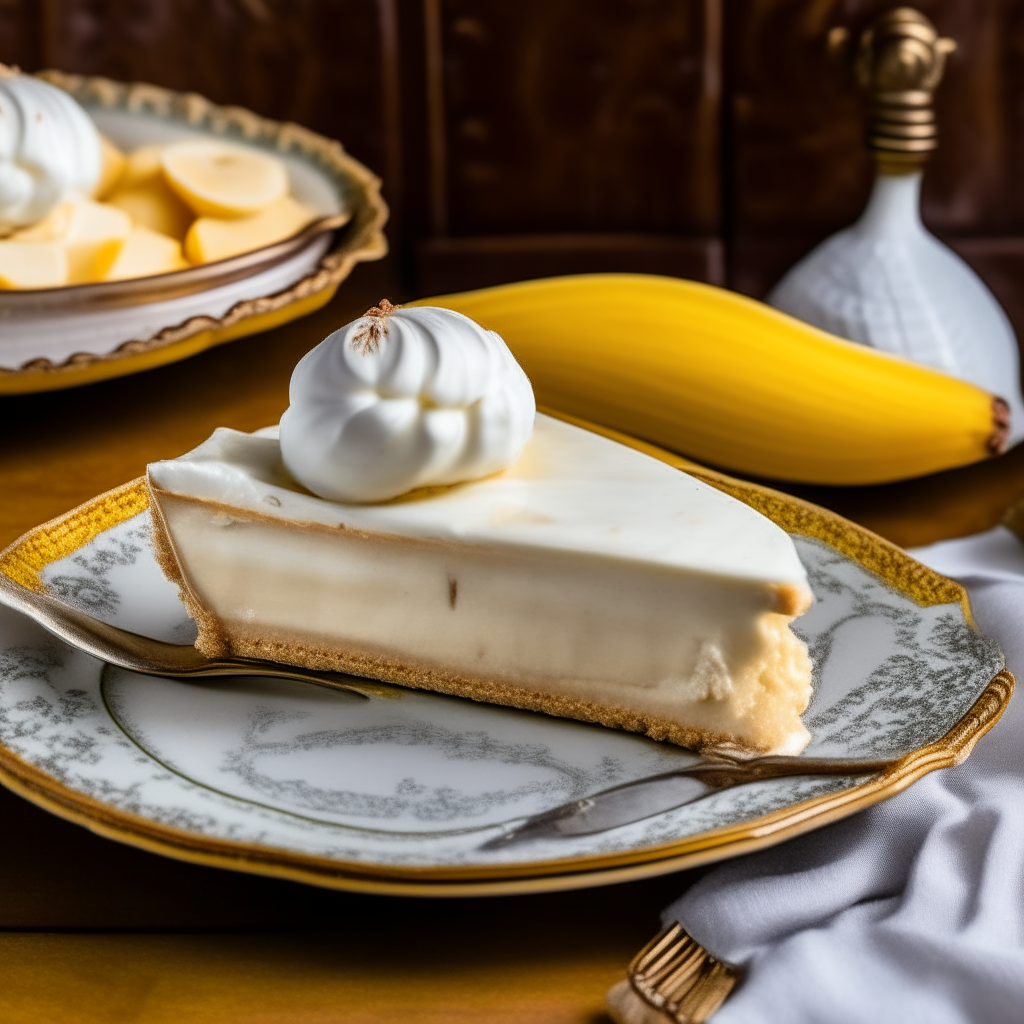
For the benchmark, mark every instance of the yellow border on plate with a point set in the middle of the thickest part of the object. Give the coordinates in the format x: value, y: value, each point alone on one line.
x: 24, y: 560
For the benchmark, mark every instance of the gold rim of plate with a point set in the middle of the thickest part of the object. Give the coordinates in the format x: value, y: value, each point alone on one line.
x: 361, y: 239
x: 24, y: 560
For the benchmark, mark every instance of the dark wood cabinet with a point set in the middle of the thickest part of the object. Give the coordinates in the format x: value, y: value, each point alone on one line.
x: 551, y: 121
x: 570, y: 117
x: 714, y: 139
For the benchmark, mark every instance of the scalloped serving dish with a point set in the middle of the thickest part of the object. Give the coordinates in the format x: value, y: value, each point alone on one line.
x: 62, y: 337
x: 398, y: 791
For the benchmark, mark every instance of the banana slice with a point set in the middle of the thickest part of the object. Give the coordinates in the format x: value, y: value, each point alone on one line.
x: 92, y: 240
x: 217, y: 238
x: 145, y: 252
x: 51, y: 228
x: 32, y: 265
x: 142, y: 166
x: 220, y: 180
x: 113, y: 165
x: 90, y: 234
x: 155, y: 205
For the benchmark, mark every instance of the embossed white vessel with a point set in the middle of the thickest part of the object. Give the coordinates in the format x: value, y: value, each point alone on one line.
x: 886, y: 281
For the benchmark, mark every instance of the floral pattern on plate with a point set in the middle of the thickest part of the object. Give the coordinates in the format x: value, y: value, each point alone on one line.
x: 407, y: 778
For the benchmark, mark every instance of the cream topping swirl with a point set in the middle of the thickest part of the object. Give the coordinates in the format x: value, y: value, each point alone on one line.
x: 404, y: 398
x: 49, y: 149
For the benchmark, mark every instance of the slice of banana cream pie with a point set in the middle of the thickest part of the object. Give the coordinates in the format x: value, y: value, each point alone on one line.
x: 415, y: 521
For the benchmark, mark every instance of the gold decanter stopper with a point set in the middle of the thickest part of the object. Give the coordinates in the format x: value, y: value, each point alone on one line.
x: 900, y: 61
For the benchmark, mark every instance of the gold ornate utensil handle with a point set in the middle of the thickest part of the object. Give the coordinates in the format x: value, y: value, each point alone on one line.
x: 674, y: 980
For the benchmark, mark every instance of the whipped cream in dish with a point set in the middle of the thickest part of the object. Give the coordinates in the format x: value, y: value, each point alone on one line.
x: 401, y: 399
x: 49, y: 149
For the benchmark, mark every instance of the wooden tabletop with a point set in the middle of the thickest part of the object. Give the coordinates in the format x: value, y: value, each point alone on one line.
x: 91, y: 930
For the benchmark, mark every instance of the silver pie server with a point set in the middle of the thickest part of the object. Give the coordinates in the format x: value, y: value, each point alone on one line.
x: 644, y: 798
x: 155, y: 657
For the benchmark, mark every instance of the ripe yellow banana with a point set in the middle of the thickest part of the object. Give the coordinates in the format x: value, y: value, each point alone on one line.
x: 733, y: 382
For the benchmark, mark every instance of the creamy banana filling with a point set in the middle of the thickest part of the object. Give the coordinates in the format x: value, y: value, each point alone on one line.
x: 587, y: 580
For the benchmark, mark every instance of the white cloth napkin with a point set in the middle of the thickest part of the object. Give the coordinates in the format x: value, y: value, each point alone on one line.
x: 912, y: 910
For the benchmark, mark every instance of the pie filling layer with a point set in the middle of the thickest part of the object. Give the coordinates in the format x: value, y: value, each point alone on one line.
x: 589, y: 580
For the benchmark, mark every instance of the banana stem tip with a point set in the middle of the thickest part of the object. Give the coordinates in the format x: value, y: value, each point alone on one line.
x: 1000, y: 427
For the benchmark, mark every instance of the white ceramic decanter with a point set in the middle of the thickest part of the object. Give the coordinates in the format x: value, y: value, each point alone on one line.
x: 886, y: 281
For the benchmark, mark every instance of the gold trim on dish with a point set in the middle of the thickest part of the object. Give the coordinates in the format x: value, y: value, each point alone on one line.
x: 59, y: 538
x: 362, y: 239
x: 26, y: 558
x: 84, y: 369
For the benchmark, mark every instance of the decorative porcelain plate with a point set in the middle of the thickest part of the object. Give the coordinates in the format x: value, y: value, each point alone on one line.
x: 394, y: 790
x: 61, y: 337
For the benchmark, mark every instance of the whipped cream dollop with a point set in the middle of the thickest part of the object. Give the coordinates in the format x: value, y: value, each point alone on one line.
x: 49, y: 149
x: 404, y: 398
